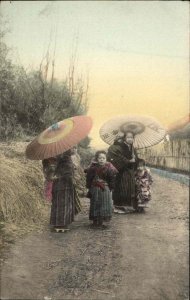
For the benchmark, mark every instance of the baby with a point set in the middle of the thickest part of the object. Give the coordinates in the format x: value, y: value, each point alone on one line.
x: 49, y: 167
x: 143, y: 180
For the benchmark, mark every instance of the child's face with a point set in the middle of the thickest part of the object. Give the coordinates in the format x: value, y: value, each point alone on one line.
x: 141, y: 169
x: 101, y: 158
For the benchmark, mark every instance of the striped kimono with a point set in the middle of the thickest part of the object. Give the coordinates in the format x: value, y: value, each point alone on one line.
x: 100, y: 182
x: 124, y: 195
x: 65, y: 201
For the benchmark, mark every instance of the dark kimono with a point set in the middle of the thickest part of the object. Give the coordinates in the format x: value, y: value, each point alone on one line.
x: 100, y: 181
x: 64, y: 194
x: 119, y: 155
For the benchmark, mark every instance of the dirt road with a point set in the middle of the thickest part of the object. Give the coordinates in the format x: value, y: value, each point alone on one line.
x: 139, y: 257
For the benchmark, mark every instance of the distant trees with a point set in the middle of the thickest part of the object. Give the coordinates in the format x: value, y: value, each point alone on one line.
x: 31, y: 101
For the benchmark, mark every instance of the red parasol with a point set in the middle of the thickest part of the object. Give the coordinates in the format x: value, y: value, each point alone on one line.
x: 59, y: 138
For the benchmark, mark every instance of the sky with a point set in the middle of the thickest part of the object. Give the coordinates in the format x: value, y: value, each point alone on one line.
x: 136, y: 53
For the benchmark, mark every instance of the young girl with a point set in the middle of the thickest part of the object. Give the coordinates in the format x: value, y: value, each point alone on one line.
x: 100, y: 177
x: 143, y: 180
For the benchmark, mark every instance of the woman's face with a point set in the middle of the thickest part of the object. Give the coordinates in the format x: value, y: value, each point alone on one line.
x: 129, y: 138
x: 74, y: 150
x: 101, y: 159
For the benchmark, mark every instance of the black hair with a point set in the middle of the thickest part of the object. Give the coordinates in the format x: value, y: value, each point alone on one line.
x: 64, y: 155
x: 121, y: 139
x: 98, y: 153
x: 127, y: 133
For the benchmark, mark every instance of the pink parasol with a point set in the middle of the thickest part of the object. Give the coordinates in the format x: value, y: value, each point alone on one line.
x: 59, y: 138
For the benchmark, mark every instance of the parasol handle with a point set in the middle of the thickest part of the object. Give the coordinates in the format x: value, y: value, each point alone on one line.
x: 133, y: 153
x: 133, y: 157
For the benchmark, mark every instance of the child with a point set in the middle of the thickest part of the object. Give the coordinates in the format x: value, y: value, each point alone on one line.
x: 49, y: 167
x: 100, y: 177
x: 143, y: 180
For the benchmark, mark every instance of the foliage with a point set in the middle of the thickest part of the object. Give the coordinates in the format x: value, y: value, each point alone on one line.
x: 31, y: 101
x: 86, y: 156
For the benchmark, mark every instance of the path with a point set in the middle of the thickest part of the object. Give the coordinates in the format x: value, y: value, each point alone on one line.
x: 139, y: 257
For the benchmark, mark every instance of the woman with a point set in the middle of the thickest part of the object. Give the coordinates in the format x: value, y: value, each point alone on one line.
x: 124, y: 157
x: 64, y: 197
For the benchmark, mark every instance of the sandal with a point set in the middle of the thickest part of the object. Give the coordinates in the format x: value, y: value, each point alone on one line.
x: 118, y: 211
x: 61, y: 229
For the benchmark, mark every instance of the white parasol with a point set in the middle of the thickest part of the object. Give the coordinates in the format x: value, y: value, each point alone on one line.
x: 147, y: 130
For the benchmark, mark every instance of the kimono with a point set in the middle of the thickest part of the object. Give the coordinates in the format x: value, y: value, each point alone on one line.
x: 119, y: 155
x: 100, y: 180
x: 65, y: 202
x: 143, y: 182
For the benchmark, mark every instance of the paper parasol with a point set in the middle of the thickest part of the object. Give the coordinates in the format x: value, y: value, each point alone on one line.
x: 59, y: 138
x: 147, y: 131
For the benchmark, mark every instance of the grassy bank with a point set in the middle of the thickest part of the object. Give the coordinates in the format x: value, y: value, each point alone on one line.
x: 22, y: 205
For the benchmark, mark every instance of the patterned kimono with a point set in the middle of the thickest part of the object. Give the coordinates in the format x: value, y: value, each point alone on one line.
x: 143, y: 182
x: 100, y: 181
x: 119, y: 155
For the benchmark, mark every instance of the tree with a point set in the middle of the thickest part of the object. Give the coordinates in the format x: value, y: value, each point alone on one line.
x: 31, y: 101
